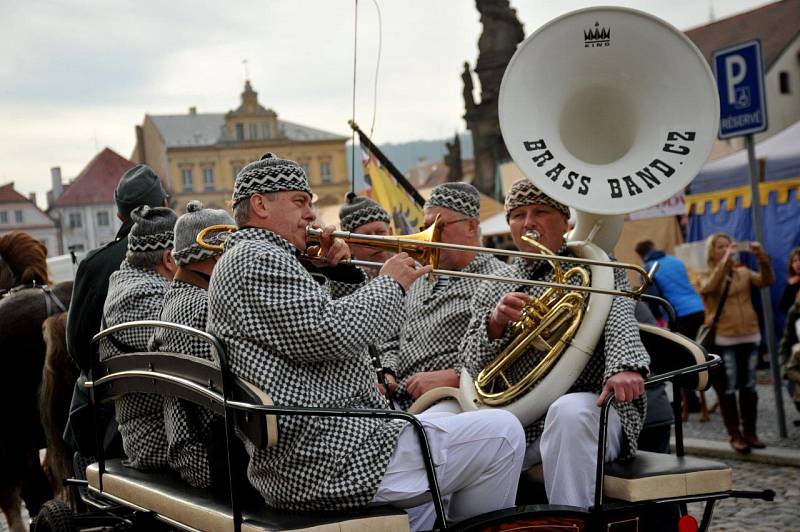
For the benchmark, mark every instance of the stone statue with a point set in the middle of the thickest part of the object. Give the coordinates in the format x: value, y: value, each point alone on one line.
x: 501, y: 33
x: 497, y: 43
x: 469, y: 97
x: 452, y: 159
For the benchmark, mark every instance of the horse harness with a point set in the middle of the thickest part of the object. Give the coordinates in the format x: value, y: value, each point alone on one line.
x: 51, y: 300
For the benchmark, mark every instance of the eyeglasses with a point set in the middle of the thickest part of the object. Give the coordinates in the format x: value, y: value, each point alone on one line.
x: 442, y: 225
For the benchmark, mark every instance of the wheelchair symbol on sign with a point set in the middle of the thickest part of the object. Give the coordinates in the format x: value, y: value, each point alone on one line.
x: 742, y: 98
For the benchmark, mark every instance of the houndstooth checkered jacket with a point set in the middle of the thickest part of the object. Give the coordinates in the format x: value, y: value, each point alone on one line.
x: 187, y: 426
x: 435, y: 324
x: 619, y: 349
x: 284, y: 332
x: 135, y: 294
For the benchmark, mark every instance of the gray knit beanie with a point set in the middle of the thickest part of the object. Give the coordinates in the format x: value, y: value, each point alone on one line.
x: 152, y: 229
x: 187, y: 228
x: 523, y: 193
x: 269, y: 174
x: 459, y: 197
x: 138, y: 186
x: 360, y: 211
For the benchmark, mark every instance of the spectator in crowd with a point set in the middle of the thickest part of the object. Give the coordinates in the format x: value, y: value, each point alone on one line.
x: 790, y: 354
x: 792, y: 281
x: 737, y: 331
x: 672, y: 282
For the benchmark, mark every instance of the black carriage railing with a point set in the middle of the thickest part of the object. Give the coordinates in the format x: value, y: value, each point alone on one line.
x: 140, y: 379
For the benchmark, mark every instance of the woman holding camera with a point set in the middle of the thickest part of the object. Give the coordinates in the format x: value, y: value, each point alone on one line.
x: 725, y: 288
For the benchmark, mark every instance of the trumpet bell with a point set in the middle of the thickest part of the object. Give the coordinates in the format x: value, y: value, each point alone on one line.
x: 608, y: 108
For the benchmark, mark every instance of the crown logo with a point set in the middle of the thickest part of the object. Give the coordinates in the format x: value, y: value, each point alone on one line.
x: 597, y: 34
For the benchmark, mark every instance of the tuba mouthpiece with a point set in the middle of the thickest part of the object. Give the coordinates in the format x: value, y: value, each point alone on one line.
x: 533, y: 235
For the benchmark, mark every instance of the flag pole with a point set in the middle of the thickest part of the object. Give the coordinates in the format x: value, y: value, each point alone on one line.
x: 386, y: 163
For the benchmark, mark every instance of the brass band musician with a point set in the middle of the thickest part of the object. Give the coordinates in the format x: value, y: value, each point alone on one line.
x: 426, y: 354
x: 564, y: 441
x: 293, y: 338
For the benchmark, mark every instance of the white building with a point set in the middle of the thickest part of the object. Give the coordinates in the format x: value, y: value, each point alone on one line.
x: 85, y: 208
x: 18, y: 213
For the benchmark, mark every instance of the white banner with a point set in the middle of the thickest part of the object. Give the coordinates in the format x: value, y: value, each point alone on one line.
x: 674, y: 206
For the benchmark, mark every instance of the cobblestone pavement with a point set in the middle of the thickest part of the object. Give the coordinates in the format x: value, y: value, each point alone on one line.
x: 767, y: 418
x: 748, y: 514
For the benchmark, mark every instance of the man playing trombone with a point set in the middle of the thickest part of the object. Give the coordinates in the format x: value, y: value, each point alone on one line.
x: 285, y: 333
x: 426, y: 355
x: 565, y: 439
x: 363, y: 216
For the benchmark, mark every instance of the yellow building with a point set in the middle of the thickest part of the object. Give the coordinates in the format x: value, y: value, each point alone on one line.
x: 199, y: 154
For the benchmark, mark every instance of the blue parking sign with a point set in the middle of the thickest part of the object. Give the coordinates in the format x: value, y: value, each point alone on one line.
x: 740, y: 82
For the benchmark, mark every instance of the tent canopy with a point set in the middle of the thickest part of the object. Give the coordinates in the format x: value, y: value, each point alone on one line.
x: 781, y: 153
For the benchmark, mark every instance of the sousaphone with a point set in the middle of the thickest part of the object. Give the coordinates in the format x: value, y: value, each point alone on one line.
x: 608, y: 110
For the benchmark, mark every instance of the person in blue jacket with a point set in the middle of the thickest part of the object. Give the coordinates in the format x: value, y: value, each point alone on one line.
x: 672, y: 281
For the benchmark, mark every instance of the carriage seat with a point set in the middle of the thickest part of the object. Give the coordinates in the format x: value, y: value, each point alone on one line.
x: 651, y: 475
x: 658, y: 476
x: 164, y: 493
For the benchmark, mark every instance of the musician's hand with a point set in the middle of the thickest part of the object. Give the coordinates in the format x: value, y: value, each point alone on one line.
x: 509, y: 308
x: 420, y: 383
x: 627, y: 386
x: 403, y: 269
x: 391, y: 383
x: 334, y: 250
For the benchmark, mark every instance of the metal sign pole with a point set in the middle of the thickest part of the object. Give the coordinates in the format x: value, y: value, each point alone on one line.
x: 766, y: 302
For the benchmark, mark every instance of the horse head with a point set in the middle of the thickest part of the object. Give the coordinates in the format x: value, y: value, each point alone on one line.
x: 23, y: 260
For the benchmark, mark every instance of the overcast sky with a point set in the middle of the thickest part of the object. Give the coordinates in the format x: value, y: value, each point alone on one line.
x: 78, y: 76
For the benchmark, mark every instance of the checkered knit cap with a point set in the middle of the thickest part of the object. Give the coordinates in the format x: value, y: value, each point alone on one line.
x: 523, y: 193
x: 152, y: 228
x: 459, y: 197
x: 187, y: 228
x: 360, y: 211
x: 269, y: 174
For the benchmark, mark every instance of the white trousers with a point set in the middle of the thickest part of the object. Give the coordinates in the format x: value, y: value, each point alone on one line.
x: 567, y: 449
x: 477, y: 456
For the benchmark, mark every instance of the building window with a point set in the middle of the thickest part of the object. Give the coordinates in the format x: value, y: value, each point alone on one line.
x: 18, y: 217
x: 305, y: 164
x: 325, y: 172
x: 236, y: 168
x: 253, y: 131
x: 3, y: 217
x: 75, y: 220
x: 267, y: 130
x: 186, y: 177
x: 208, y: 178
x: 102, y: 219
x: 239, y: 132
x: 783, y: 82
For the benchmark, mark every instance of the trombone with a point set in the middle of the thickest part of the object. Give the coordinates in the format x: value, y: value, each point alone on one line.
x: 425, y: 249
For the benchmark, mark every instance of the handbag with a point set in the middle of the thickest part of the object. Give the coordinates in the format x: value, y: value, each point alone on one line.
x: 707, y: 334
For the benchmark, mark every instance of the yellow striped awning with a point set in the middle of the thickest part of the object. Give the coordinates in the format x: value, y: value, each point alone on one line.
x: 698, y: 203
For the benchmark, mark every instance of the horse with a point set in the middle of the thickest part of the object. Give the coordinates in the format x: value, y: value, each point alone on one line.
x: 27, y: 300
x: 55, y: 394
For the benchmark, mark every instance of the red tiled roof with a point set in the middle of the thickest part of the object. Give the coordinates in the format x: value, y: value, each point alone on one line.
x: 777, y: 25
x: 96, y: 183
x: 9, y: 195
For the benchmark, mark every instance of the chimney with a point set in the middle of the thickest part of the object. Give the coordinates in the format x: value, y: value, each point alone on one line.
x: 55, y: 180
x: 192, y: 110
x: 140, y: 153
x: 32, y: 197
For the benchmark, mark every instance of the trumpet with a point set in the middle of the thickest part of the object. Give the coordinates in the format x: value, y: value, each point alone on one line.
x: 425, y: 249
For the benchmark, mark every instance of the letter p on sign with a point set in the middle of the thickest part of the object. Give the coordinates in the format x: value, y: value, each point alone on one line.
x: 735, y: 72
